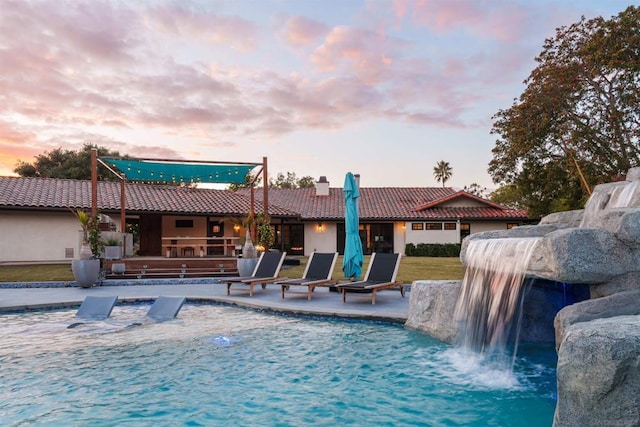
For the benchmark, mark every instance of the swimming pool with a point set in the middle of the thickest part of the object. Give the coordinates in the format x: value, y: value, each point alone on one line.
x: 218, y: 365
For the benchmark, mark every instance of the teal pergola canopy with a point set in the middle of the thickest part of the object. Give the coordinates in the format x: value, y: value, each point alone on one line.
x: 150, y: 170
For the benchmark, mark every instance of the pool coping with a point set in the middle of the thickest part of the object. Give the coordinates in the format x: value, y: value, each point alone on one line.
x: 390, y: 306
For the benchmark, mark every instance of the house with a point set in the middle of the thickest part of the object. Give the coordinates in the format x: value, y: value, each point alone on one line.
x: 36, y: 223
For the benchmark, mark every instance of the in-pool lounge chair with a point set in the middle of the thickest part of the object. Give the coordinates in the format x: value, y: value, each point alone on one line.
x: 381, y: 274
x: 317, y: 273
x: 95, y: 308
x: 163, y: 308
x: 266, y: 271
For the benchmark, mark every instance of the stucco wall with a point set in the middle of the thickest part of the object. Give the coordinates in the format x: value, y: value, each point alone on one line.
x: 478, y: 227
x: 319, y: 240
x: 28, y: 236
x: 432, y: 236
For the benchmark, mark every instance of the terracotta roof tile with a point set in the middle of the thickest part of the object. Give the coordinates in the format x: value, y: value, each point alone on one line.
x: 389, y: 203
x: 66, y: 193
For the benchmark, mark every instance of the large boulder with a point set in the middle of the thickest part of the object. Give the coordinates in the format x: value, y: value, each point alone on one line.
x: 567, y: 219
x: 618, y: 304
x: 431, y: 308
x: 581, y: 255
x: 626, y: 282
x: 599, y: 374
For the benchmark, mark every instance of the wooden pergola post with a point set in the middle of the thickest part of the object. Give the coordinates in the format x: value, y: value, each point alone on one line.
x: 94, y: 182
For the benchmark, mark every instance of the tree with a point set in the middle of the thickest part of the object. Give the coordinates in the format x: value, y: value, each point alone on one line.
x: 247, y: 183
x: 282, y: 181
x: 306, y: 182
x: 577, y: 124
x: 442, y: 171
x: 59, y: 163
x: 476, y: 190
x: 291, y: 181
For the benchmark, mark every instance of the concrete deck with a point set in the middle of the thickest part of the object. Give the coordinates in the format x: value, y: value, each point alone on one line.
x: 390, y: 305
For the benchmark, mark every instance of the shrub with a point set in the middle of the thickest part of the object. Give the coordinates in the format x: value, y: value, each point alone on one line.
x: 433, y: 249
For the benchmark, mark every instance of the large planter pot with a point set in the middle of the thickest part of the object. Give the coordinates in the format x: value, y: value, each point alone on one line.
x: 86, y: 271
x: 112, y: 252
x: 246, y: 266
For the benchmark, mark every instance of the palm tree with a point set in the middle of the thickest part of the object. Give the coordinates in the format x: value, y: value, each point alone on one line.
x: 442, y: 171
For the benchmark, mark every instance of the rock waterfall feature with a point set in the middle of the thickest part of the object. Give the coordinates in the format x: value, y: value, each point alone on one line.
x: 590, y: 259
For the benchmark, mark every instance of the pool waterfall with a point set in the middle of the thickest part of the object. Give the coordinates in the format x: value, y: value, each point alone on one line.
x: 575, y: 280
x: 489, y: 308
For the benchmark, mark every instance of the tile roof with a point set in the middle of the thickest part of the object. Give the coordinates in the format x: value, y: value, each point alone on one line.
x: 67, y: 193
x: 388, y: 203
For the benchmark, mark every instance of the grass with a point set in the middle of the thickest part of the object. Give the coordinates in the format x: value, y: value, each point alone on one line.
x: 411, y: 268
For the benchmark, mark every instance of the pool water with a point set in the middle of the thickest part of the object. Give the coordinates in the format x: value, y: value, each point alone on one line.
x: 224, y: 366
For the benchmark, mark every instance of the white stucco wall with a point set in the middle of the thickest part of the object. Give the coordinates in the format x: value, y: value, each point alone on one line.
x: 317, y: 240
x: 478, y: 227
x: 28, y: 236
x: 399, y: 237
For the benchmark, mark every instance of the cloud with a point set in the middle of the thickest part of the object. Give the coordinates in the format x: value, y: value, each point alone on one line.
x: 182, y: 21
x: 302, y: 31
x: 506, y: 21
x: 125, y: 74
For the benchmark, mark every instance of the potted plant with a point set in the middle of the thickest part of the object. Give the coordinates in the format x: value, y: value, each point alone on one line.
x: 247, y: 261
x: 265, y: 232
x: 86, y: 270
x: 112, y: 248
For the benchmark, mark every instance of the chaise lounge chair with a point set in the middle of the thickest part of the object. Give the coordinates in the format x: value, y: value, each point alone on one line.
x: 381, y: 274
x: 95, y: 308
x: 266, y: 271
x: 317, y: 273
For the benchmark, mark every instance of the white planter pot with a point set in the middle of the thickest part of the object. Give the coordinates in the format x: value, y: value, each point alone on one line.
x: 86, y: 271
x: 246, y: 266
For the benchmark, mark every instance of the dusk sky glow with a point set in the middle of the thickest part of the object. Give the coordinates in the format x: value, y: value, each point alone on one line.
x: 381, y: 88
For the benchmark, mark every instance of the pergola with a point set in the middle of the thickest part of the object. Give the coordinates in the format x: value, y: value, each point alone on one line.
x: 175, y: 171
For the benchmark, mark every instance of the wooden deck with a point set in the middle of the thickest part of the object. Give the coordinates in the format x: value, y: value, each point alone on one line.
x: 160, y: 267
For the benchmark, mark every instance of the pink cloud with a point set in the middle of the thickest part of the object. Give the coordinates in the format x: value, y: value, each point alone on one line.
x: 367, y: 54
x: 302, y: 31
x: 178, y: 20
x: 499, y: 20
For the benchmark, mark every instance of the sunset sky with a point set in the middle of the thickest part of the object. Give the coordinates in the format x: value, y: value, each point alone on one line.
x: 381, y: 88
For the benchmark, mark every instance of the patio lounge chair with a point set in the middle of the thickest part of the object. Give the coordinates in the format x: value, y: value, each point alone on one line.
x: 266, y: 271
x: 317, y: 273
x: 95, y: 308
x: 381, y: 274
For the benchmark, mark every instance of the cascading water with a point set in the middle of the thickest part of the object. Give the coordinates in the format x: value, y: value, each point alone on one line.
x: 488, y: 309
x: 620, y: 195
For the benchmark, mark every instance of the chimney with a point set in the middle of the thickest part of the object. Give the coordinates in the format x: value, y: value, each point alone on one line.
x: 322, y: 186
x: 356, y: 177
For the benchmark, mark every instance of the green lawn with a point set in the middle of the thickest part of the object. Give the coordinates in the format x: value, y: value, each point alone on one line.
x: 411, y: 268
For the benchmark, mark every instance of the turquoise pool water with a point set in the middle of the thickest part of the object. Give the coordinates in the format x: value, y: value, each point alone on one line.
x: 224, y: 366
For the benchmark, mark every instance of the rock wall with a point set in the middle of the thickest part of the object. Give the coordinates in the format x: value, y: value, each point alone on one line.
x: 599, y: 374
x: 431, y: 307
x: 598, y: 340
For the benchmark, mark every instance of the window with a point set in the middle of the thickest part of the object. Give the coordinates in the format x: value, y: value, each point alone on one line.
x: 417, y: 226
x: 434, y: 226
x: 465, y: 229
x: 449, y: 225
x: 511, y: 225
x: 184, y: 223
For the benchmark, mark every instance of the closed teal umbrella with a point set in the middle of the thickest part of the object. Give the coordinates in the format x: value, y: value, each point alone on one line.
x: 353, y: 258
